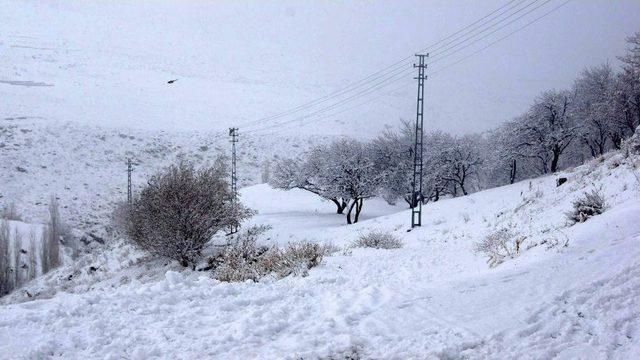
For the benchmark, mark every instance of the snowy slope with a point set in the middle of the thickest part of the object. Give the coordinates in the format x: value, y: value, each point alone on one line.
x: 85, y: 166
x: 574, y: 293
x: 105, y: 64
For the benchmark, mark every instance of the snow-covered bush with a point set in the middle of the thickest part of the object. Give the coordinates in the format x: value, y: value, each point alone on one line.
x: 378, y: 239
x: 245, y: 260
x: 180, y: 209
x: 589, y: 205
x: 297, y: 258
x: 239, y: 261
x: 499, y: 246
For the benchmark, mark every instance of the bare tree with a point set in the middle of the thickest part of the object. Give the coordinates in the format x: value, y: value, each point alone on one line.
x: 32, y: 261
x: 55, y: 234
x: 17, y: 257
x: 180, y: 210
x: 5, y: 259
x: 45, y: 259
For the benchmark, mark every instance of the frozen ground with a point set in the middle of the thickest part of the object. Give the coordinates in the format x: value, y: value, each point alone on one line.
x: 574, y: 292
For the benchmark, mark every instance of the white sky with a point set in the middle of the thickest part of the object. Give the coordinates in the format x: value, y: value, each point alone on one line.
x: 307, y: 49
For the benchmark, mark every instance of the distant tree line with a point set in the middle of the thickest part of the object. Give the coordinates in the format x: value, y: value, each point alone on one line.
x: 560, y: 129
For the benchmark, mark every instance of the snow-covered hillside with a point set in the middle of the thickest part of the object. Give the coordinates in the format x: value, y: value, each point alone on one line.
x: 104, y: 64
x: 572, y: 292
x: 85, y: 166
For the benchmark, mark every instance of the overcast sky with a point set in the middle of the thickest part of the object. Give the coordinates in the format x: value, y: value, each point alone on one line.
x: 314, y: 47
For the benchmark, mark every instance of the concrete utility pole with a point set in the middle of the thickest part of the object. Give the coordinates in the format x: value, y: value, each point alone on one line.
x: 416, y: 196
x: 233, y: 132
x: 129, y: 171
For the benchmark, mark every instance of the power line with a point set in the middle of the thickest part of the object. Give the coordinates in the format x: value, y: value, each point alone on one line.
x: 435, y: 49
x: 492, y: 32
x: 380, y: 85
x: 500, y: 39
x: 392, y: 67
x: 327, y: 116
x: 392, y: 79
x: 377, y: 86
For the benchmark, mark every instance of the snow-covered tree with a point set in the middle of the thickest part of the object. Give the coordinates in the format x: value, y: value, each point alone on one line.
x: 435, y: 170
x: 392, y: 155
x: 461, y: 160
x: 350, y: 174
x: 305, y: 173
x: 503, y: 162
x: 627, y: 94
x: 594, y: 108
x: 547, y: 129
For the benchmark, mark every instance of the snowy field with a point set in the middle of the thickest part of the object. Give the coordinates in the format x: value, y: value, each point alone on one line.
x: 573, y: 293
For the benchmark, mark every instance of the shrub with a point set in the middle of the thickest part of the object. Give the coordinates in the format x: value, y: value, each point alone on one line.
x: 591, y: 204
x: 378, y: 239
x: 498, y: 246
x: 239, y: 261
x: 244, y: 260
x: 179, y: 211
x: 296, y: 259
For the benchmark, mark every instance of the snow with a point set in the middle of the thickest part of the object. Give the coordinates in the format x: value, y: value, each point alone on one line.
x: 85, y: 166
x: 79, y: 99
x: 433, y: 298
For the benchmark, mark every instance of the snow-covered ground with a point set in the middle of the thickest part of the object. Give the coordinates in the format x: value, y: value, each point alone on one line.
x: 573, y: 292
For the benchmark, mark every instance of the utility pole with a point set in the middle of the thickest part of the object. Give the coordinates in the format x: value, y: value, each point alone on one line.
x: 233, y: 132
x: 416, y: 196
x: 129, y: 171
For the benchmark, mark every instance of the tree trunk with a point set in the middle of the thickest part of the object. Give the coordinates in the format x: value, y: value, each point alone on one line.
x: 359, y: 204
x: 340, y: 205
x: 616, y: 140
x: 554, y: 161
x: 512, y: 172
x: 353, y: 203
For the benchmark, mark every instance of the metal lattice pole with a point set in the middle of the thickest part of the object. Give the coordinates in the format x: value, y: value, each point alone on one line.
x: 233, y: 132
x: 129, y: 171
x: 417, y: 196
